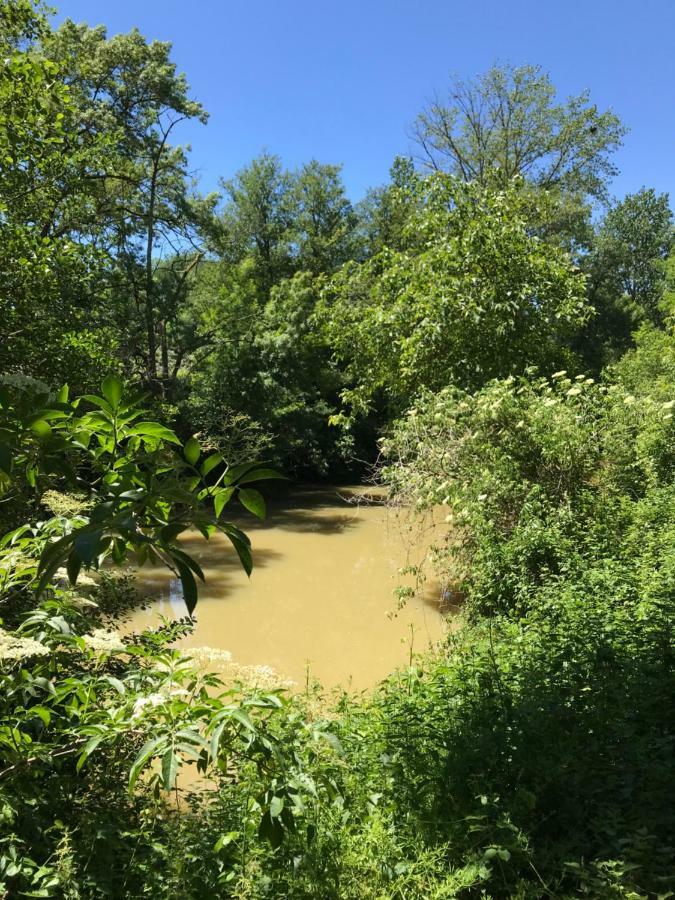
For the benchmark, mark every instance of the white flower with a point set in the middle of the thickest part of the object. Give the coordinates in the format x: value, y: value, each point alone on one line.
x: 208, y: 654
x: 13, y: 647
x: 102, y: 641
x: 152, y: 700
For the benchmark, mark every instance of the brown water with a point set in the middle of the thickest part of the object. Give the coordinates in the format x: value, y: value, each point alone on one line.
x: 321, y: 597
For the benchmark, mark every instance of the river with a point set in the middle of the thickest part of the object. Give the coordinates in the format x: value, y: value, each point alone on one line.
x: 320, y: 602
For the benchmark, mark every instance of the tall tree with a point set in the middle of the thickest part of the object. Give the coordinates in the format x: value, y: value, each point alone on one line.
x: 633, y: 243
x: 324, y: 221
x: 140, y: 207
x: 508, y: 121
x: 47, y: 275
x: 257, y: 219
x: 473, y: 296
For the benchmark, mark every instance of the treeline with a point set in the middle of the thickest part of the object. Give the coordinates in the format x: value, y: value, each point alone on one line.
x: 273, y: 302
x: 493, y: 329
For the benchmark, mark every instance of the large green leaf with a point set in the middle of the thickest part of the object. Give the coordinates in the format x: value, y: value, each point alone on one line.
x: 112, y: 390
x: 253, y: 501
x: 192, y: 451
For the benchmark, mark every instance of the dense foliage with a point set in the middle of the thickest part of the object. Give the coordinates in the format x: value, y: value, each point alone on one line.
x: 496, y: 335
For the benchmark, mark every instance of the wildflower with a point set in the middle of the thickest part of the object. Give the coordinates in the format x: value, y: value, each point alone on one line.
x: 208, y: 655
x: 102, y: 641
x: 13, y: 647
x: 151, y: 701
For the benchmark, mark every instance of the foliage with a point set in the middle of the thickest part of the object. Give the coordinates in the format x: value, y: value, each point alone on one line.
x: 507, y: 122
x: 474, y: 289
x: 532, y: 754
x: 140, y: 495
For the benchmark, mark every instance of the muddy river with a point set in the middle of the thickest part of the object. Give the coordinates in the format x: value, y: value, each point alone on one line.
x: 321, y: 600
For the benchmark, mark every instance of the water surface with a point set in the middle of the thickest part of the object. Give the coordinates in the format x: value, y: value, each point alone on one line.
x: 321, y: 597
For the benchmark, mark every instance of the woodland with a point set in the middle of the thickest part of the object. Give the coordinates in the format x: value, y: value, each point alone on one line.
x: 490, y: 332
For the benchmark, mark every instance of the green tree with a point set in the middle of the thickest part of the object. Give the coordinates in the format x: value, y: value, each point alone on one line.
x: 48, y: 276
x: 384, y: 212
x: 139, y: 204
x: 634, y: 240
x: 627, y: 275
x: 324, y: 221
x: 475, y: 295
x: 257, y: 219
x: 508, y: 120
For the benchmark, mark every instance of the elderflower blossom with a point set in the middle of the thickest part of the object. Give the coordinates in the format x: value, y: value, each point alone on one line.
x: 12, y: 647
x: 151, y: 701
x: 102, y: 641
x: 208, y: 655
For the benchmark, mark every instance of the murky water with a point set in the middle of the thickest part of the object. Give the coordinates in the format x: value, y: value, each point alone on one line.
x: 321, y: 597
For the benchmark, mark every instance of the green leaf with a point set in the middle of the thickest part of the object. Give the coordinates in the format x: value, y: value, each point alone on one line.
x: 62, y: 396
x: 169, y: 769
x: 42, y: 429
x: 86, y: 545
x: 89, y: 748
x: 112, y: 390
x: 210, y: 463
x: 144, y: 754
x: 226, y: 839
x: 153, y: 430
x: 222, y: 498
x: 253, y: 501
x: 73, y: 567
x: 189, y: 584
x: 276, y: 805
x: 192, y: 451
x: 184, y: 557
x: 241, y: 544
x: 262, y: 474
x: 271, y: 830
x: 171, y: 531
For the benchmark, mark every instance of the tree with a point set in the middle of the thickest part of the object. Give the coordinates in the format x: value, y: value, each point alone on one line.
x: 633, y: 243
x: 473, y: 296
x: 138, y: 205
x: 384, y: 212
x: 257, y: 219
x: 508, y: 120
x: 323, y: 219
x: 47, y: 275
x: 626, y: 276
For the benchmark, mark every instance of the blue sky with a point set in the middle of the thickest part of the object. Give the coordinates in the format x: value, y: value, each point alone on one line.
x: 342, y: 81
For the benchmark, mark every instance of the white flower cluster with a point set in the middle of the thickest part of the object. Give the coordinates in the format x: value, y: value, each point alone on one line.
x: 206, y: 655
x: 102, y: 641
x: 152, y: 701
x: 13, y: 647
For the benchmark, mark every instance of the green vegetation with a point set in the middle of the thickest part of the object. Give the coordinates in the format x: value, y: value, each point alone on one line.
x: 489, y: 336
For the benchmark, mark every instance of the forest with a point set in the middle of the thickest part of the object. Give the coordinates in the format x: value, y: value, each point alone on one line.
x: 490, y: 333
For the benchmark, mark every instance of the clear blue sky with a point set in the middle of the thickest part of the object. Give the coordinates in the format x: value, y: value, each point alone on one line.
x: 341, y: 81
